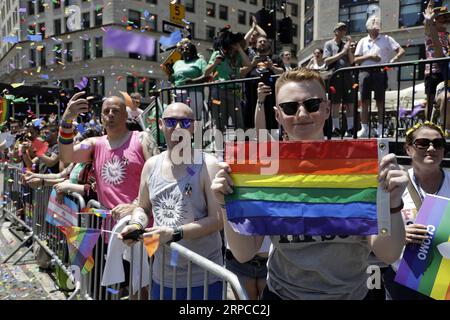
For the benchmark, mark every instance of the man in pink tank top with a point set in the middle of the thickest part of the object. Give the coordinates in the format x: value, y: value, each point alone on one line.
x: 118, y: 156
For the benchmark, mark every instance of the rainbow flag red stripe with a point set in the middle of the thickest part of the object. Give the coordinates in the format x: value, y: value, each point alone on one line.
x: 320, y: 188
x: 4, y: 109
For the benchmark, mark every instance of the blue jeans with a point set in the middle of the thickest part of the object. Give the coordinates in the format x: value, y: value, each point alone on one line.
x: 214, y: 292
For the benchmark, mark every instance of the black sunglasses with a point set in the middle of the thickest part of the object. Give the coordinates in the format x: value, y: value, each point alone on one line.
x: 291, y: 108
x: 185, y: 123
x: 424, y: 144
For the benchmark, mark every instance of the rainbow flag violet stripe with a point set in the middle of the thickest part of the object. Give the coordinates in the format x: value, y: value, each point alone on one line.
x: 426, y: 268
x: 310, y: 188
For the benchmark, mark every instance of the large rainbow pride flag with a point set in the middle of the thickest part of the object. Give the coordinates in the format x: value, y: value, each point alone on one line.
x: 426, y: 268
x: 320, y: 188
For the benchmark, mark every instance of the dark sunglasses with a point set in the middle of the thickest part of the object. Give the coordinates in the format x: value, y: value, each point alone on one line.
x: 170, y: 123
x: 424, y: 144
x: 291, y: 108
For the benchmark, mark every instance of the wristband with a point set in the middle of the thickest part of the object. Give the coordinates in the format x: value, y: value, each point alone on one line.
x: 177, y: 234
x: 397, y: 209
x: 134, y: 223
x: 67, y: 124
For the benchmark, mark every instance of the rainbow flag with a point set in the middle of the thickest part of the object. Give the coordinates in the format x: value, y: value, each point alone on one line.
x: 426, y: 268
x: 98, y: 212
x: 4, y: 109
x: 81, y: 241
x: 319, y: 188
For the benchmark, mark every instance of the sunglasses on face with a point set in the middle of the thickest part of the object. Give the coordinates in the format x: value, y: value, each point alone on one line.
x: 170, y: 123
x: 310, y: 105
x: 424, y: 144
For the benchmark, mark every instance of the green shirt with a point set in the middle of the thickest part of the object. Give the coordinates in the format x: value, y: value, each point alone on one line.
x: 227, y: 70
x: 188, y: 70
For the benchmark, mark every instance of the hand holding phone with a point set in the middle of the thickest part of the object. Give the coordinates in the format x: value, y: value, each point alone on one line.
x: 133, y: 235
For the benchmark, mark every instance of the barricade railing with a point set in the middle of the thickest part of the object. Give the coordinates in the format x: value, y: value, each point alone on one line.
x: 27, y: 207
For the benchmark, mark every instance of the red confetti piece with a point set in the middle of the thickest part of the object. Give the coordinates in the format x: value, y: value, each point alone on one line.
x: 332, y: 90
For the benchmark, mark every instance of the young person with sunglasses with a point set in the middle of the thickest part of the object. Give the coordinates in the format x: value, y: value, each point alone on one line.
x: 425, y: 144
x: 316, y: 267
x: 176, y: 191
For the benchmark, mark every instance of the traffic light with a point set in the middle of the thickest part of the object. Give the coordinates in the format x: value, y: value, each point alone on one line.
x: 265, y: 20
x: 285, y: 30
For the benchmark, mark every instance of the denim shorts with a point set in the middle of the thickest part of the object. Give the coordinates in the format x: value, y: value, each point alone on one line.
x: 254, y: 269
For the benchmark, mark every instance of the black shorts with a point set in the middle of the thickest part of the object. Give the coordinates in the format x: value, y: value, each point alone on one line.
x: 343, y: 84
x: 372, y: 81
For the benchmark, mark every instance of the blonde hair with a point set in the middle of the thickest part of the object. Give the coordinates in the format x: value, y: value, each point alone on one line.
x: 183, y: 42
x: 298, y: 75
x: 427, y: 124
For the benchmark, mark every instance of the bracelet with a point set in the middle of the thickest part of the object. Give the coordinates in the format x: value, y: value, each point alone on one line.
x: 65, y: 137
x: 66, y: 124
x: 65, y: 141
x: 397, y: 209
x: 140, y: 226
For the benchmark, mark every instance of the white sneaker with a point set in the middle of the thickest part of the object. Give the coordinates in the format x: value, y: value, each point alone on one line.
x: 363, y: 133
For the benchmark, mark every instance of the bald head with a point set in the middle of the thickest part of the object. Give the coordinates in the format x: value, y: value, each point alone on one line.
x: 178, y: 109
x: 115, y: 100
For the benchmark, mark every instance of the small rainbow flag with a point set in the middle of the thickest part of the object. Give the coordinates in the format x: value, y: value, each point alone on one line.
x: 98, y: 212
x: 81, y: 241
x: 320, y: 188
x: 4, y: 109
x: 426, y: 268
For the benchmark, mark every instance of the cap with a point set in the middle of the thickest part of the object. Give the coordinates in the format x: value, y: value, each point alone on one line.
x: 339, y: 25
x: 441, y: 12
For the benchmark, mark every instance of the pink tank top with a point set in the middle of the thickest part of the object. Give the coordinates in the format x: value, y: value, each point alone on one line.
x: 118, y: 171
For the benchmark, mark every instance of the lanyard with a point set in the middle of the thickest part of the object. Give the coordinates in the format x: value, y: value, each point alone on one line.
x: 423, y: 193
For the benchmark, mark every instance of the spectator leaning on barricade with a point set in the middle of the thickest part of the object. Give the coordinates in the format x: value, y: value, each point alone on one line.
x: 337, y: 55
x: 309, y: 269
x: 436, y: 46
x: 371, y: 50
x: 261, y: 64
x: 425, y: 144
x: 118, y: 157
x: 226, y: 63
x: 189, y: 70
x: 178, y: 195
x: 251, y: 38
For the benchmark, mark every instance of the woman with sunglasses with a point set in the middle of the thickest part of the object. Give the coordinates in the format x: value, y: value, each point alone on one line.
x: 304, y: 267
x: 425, y: 144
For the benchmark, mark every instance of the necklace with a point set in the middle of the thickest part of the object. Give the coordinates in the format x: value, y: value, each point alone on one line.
x: 422, y: 193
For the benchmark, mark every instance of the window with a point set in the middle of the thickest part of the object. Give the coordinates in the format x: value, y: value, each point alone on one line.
x: 151, y: 86
x: 31, y: 7
x: 133, y: 55
x: 294, y: 10
x: 295, y: 30
x: 32, y: 58
x: 31, y: 29
x: 57, y: 27
x: 410, y: 13
x: 189, y: 5
x: 98, y: 17
x: 309, y: 31
x: 43, y: 56
x: 42, y: 29
x: 243, y: 0
x: 210, y: 33
x: 223, y: 12
x: 152, y: 1
x: 86, y: 20
x: 58, y: 52
x: 242, y: 17
x: 98, y: 85
x: 413, y: 53
x: 56, y: 4
x: 98, y: 47
x: 152, y: 23
x: 255, y: 2
x: 135, y: 18
x: 210, y: 9
x: 354, y: 13
x: 86, y: 49
x: 131, y: 84
x: 41, y: 7
x: 192, y: 29
x: 69, y: 50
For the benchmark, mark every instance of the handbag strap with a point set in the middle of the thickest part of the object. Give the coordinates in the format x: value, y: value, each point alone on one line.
x: 414, y: 194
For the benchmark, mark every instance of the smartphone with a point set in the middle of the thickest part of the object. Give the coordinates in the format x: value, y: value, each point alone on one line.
x: 265, y: 78
x: 133, y: 235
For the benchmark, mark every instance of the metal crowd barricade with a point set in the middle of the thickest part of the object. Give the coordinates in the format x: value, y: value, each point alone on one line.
x: 33, y: 204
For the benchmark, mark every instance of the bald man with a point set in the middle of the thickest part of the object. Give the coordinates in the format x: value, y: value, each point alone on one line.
x: 118, y: 156
x: 178, y: 195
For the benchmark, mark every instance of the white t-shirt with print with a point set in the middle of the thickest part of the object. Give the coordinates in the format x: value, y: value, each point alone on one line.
x: 384, y: 46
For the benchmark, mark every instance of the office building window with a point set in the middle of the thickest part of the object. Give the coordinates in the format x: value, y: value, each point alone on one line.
x: 135, y: 18
x: 152, y: 1
x: 242, y: 17
x: 254, y: 2
x: 98, y: 17
x: 152, y: 22
x: 131, y: 84
x: 210, y: 33
x: 151, y: 86
x: 294, y: 10
x: 413, y: 53
x: 86, y: 20
x: 98, y: 85
x: 98, y: 47
x: 69, y: 52
x: 57, y: 27
x: 42, y: 29
x: 223, y: 12
x: 411, y: 12
x: 32, y: 58
x: 31, y: 10
x: 189, y: 5
x: 41, y: 7
x: 295, y: 30
x: 355, y: 13
x: 43, y: 56
x: 133, y: 55
x: 309, y: 22
x: 86, y: 49
x: 192, y: 29
x: 58, y: 52
x: 56, y: 4
x: 210, y: 9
